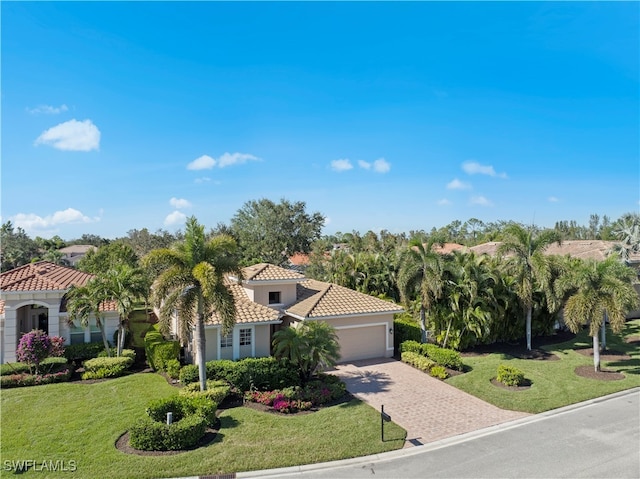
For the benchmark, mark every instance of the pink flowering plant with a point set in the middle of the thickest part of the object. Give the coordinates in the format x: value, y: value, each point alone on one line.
x: 36, y: 346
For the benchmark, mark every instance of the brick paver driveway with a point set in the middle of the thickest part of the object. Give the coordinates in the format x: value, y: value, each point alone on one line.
x: 427, y: 408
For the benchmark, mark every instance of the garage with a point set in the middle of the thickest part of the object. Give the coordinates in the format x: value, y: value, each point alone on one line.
x: 362, y: 342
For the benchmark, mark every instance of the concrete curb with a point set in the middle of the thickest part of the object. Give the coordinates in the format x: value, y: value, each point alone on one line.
x: 385, y: 456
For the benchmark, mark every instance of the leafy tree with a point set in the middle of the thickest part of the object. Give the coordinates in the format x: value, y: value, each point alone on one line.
x: 530, y: 267
x: 106, y: 257
x: 94, y: 240
x: 627, y: 230
x: 190, y: 279
x: 142, y: 241
x: 271, y: 232
x: 309, y: 345
x: 16, y: 248
x: 421, y: 273
x: 595, y: 289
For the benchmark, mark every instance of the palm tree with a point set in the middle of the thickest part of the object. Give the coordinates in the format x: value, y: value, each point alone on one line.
x: 309, y: 345
x: 191, y: 281
x: 598, y: 289
x: 124, y: 285
x: 628, y: 232
x: 422, y: 271
x: 86, y: 301
x: 529, y: 266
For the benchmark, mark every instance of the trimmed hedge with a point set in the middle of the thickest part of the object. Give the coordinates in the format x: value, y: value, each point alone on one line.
x: 444, y: 357
x: 82, y: 352
x: 159, y: 351
x: 181, y: 407
x: 216, y: 391
x: 189, y: 374
x: 126, y: 353
x: 99, y: 368
x: 63, y: 374
x: 173, y: 368
x: 509, y: 375
x: 418, y: 361
x: 150, y: 435
x: 252, y: 373
x: 405, y: 328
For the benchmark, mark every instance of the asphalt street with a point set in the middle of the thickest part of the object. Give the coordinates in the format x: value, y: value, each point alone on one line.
x: 596, y: 439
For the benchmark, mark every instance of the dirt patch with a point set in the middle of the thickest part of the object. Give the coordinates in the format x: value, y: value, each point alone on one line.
x: 523, y: 387
x: 632, y: 340
x: 606, y: 355
x: 603, y: 375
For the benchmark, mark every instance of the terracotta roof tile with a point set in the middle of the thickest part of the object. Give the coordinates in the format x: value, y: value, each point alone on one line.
x: 42, y: 276
x: 316, y: 299
x: 269, y: 272
x: 246, y: 310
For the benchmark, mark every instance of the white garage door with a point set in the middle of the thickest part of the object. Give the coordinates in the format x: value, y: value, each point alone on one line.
x: 364, y: 342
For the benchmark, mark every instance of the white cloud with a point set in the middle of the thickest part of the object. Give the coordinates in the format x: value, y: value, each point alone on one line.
x: 228, y: 159
x: 203, y: 179
x: 381, y: 166
x: 341, y: 165
x: 204, y: 162
x: 553, y: 199
x: 456, y: 184
x: 475, y: 168
x: 48, y: 109
x: 179, y: 203
x: 31, y: 222
x: 72, y: 135
x: 365, y: 165
x: 175, y: 218
x: 480, y: 200
x: 444, y: 202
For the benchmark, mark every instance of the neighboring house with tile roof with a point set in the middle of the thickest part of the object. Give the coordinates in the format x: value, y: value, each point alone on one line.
x: 74, y: 253
x: 33, y: 297
x: 269, y: 298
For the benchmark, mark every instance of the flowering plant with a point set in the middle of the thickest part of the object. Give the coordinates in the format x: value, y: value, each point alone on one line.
x: 36, y: 345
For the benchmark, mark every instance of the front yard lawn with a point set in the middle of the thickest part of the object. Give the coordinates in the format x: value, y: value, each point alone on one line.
x: 554, y: 383
x: 81, y: 423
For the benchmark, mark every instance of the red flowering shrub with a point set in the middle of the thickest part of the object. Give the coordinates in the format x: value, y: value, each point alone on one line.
x: 36, y: 346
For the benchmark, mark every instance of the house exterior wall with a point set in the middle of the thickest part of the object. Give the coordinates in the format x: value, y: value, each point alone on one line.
x: 260, y: 343
x: 260, y: 293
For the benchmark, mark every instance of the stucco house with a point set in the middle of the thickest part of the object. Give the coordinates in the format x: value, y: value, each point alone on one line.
x: 74, y: 253
x: 270, y: 297
x: 33, y: 297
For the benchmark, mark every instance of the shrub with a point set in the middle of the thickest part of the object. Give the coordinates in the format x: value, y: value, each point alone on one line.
x: 216, y: 391
x: 438, y: 372
x: 253, y: 373
x: 18, y: 380
x: 173, y: 368
x: 418, y: 361
x: 99, y: 368
x: 126, y: 353
x: 510, y: 376
x: 189, y: 374
x: 444, y: 357
x: 405, y: 328
x: 159, y: 350
x: 35, y: 346
x: 181, y: 407
x: 13, y: 368
x: 149, y: 435
x: 411, y: 346
x: 82, y: 352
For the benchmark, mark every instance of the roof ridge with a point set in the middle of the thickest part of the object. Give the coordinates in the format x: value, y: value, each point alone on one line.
x: 321, y: 294
x: 260, y: 267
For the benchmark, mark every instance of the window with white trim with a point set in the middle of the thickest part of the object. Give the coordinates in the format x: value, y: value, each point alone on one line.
x: 76, y: 334
x: 245, y: 337
x: 226, y: 341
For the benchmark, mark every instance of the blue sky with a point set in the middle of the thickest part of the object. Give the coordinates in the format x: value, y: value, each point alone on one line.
x: 396, y: 116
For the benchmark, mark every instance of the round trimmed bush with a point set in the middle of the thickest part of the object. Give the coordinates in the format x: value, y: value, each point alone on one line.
x: 510, y: 376
x: 150, y: 435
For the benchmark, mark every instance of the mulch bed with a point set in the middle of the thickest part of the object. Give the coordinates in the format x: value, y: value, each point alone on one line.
x: 606, y: 355
x: 523, y: 387
x: 519, y: 349
x: 603, y: 375
x: 633, y: 340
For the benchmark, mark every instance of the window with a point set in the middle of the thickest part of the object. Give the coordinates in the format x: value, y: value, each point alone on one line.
x: 245, y: 337
x: 226, y: 341
x: 274, y: 297
x: 96, y: 334
x: 76, y: 334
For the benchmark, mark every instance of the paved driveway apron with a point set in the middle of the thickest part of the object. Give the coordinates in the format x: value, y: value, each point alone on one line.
x: 427, y: 408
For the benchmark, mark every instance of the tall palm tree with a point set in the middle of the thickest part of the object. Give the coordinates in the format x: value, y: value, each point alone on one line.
x: 421, y: 272
x: 124, y: 285
x: 86, y: 301
x: 529, y: 265
x: 595, y: 289
x: 190, y: 280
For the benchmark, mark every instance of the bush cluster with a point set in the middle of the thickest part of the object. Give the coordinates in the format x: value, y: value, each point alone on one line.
x: 61, y: 374
x: 189, y: 374
x: 173, y: 368
x: 216, y: 391
x: 405, y: 328
x: 191, y: 416
x: 159, y: 351
x: 417, y: 360
x: 509, y: 375
x: 82, y: 352
x: 99, y: 368
x: 444, y: 357
x: 126, y: 353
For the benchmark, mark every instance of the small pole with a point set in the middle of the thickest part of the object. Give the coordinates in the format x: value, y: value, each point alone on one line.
x: 169, y: 418
x: 382, y: 423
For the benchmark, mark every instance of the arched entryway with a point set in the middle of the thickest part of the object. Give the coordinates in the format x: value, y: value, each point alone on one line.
x: 32, y: 316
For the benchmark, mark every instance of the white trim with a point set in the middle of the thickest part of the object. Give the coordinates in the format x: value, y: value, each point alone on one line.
x: 254, y: 282
x: 341, y: 316
x: 256, y: 323
x: 368, y: 325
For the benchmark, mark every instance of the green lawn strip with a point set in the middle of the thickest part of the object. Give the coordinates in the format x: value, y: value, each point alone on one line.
x: 81, y: 422
x: 554, y: 383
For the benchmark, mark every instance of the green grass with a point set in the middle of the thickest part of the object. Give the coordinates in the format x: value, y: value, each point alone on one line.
x: 554, y: 383
x: 81, y: 422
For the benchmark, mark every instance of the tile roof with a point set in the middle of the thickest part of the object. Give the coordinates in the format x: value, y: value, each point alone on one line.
x: 584, y: 249
x: 42, y: 276
x: 299, y: 259
x: 246, y: 310
x: 316, y: 299
x: 269, y: 272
